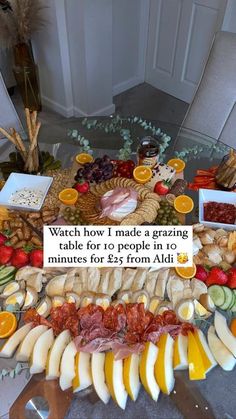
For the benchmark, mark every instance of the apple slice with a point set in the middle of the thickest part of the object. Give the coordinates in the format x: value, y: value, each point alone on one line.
x: 196, y: 367
x: 146, y: 369
x: 224, y: 333
x: 83, y: 376
x: 207, y: 357
x: 55, y: 355
x: 14, y: 341
x: 98, y: 376
x: 39, y: 355
x: 68, y: 366
x: 164, y: 364
x: 114, y: 379
x: 27, y: 345
x: 222, y: 355
x: 181, y: 352
x: 131, y: 376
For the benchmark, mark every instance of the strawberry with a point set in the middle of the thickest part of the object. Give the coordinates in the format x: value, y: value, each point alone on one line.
x: 5, y: 254
x: 3, y: 239
x: 36, y: 258
x: 82, y: 186
x: 201, y: 273
x: 19, y: 258
x: 216, y: 276
x: 231, y: 278
x: 162, y: 187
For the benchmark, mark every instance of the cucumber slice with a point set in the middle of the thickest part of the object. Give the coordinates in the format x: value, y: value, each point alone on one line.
x: 229, y: 298
x: 233, y: 309
x: 8, y: 270
x: 233, y: 301
x: 2, y: 267
x: 217, y: 295
x: 8, y: 278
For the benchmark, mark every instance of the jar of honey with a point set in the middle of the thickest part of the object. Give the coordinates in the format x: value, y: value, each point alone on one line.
x: 148, y: 152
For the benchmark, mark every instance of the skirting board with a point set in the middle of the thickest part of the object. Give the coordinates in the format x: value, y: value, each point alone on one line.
x: 75, y: 111
x: 127, y: 84
x: 57, y: 107
x: 108, y: 110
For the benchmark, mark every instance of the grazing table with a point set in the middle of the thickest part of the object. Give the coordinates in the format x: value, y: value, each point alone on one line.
x: 200, y: 152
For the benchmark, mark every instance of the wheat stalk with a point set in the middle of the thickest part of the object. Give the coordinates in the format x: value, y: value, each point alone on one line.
x: 19, y: 24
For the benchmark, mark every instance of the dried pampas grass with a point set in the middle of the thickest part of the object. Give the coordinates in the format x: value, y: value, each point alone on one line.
x: 18, y: 25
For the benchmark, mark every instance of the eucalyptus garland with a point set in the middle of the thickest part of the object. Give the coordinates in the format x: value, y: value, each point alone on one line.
x: 13, y: 372
x: 125, y: 128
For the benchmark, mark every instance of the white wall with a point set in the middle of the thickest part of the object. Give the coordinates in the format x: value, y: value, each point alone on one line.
x: 129, y: 33
x: 229, y: 23
x: 48, y: 56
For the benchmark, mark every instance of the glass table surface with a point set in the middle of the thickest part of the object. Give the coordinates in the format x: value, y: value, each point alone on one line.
x: 200, y: 152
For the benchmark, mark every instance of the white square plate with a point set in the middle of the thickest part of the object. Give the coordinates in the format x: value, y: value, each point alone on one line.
x: 17, y: 181
x: 210, y: 195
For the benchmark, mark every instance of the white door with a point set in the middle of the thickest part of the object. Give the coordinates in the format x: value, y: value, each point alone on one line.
x: 180, y: 36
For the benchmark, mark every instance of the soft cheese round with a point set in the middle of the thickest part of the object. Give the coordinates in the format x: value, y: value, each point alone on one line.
x: 123, y: 205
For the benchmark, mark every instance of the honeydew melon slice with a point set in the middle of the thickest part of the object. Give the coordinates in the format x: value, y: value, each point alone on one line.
x: 98, y: 376
x: 14, y: 341
x: 146, y: 369
x: 27, y: 345
x: 197, y: 370
x: 67, y: 370
x: 181, y: 352
x: 164, y: 364
x: 207, y: 357
x: 38, y: 359
x: 83, y: 375
x: 55, y: 355
x: 222, y: 355
x: 131, y: 376
x: 114, y: 379
x: 224, y: 332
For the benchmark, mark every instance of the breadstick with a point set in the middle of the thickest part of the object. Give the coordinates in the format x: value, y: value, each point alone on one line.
x: 8, y: 136
x: 28, y: 120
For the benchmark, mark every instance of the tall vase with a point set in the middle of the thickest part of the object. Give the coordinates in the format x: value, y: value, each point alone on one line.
x: 26, y: 75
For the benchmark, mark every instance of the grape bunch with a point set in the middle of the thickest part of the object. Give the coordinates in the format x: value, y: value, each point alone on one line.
x: 98, y: 171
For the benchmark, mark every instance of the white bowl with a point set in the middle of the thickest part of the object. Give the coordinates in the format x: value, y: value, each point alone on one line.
x: 17, y: 181
x: 210, y: 195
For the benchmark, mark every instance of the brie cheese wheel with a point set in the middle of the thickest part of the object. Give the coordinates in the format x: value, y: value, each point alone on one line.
x: 122, y: 209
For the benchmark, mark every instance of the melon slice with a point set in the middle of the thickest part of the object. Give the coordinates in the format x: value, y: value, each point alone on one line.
x: 14, y: 341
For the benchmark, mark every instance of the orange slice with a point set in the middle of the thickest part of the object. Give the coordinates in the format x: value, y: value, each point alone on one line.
x: 177, y: 164
x: 69, y: 196
x: 142, y: 174
x: 186, y: 272
x: 83, y: 158
x: 8, y: 324
x: 183, y: 204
